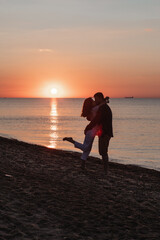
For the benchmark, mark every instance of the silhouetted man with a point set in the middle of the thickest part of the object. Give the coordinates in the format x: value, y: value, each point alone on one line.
x: 103, y: 118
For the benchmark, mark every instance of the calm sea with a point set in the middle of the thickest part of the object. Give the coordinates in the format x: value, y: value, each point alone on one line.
x: 46, y: 121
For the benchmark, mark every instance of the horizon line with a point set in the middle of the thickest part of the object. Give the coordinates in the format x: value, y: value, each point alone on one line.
x: 75, y: 97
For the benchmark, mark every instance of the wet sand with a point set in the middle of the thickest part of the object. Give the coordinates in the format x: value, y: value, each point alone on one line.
x: 45, y: 196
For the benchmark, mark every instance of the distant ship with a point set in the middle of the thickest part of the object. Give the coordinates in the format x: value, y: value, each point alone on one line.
x: 129, y: 97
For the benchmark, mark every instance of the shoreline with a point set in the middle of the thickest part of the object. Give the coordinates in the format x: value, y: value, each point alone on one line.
x: 45, y: 195
x: 114, y: 161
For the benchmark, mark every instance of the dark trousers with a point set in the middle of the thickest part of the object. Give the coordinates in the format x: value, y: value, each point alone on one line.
x: 103, y: 150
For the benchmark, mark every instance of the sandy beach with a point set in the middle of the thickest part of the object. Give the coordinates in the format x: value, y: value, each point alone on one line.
x: 45, y: 196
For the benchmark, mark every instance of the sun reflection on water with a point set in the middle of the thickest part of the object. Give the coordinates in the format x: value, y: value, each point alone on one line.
x: 53, y: 124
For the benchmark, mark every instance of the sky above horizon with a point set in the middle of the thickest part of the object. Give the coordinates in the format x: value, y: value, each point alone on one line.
x: 79, y: 47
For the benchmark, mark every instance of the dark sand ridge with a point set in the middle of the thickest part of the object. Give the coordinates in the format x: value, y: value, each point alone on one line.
x: 44, y: 195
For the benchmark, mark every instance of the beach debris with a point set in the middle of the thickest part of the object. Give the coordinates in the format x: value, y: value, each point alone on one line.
x: 8, y: 175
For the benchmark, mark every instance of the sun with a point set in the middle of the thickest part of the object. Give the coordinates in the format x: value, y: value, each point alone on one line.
x: 54, y: 91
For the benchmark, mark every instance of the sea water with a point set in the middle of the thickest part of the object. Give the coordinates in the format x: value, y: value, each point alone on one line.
x: 136, y: 125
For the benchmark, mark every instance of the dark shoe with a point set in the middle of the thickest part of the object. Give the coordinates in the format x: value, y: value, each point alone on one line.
x: 69, y: 139
x: 83, y: 164
x: 105, y: 164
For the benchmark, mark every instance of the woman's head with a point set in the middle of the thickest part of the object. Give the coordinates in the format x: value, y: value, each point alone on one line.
x: 87, y: 106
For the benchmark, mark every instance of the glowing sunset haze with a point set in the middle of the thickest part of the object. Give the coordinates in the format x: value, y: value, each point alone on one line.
x: 71, y: 48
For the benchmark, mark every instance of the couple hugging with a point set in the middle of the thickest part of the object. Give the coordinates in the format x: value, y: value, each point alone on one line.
x: 100, y: 116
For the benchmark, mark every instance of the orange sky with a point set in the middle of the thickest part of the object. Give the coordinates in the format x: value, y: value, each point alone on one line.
x: 79, y: 49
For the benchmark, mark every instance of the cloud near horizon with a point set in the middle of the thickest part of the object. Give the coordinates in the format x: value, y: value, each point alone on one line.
x: 47, y: 50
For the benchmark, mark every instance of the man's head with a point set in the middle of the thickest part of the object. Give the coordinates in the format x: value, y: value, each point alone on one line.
x: 99, y: 98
